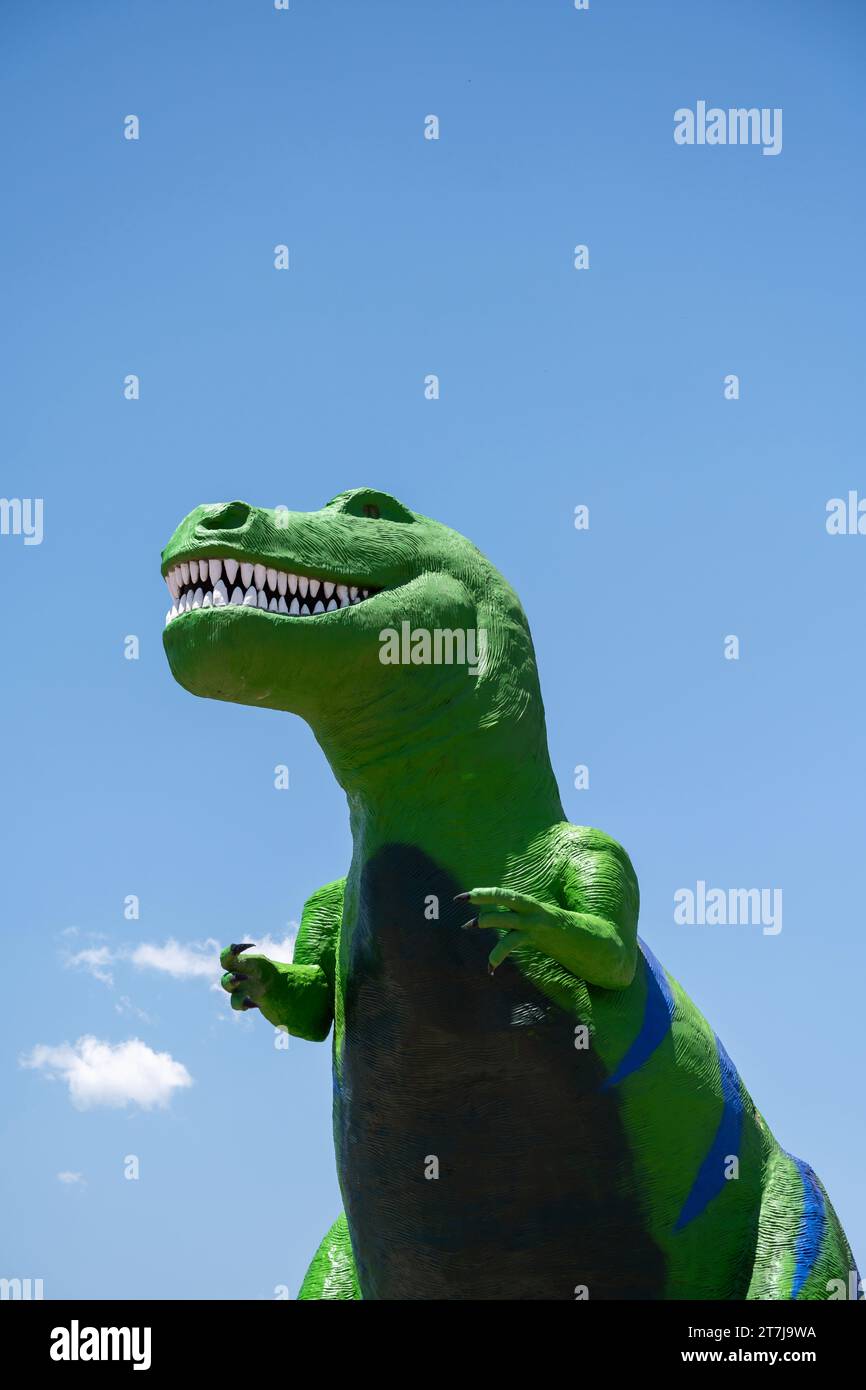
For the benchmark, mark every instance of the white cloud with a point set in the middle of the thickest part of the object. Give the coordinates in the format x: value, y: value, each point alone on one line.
x: 277, y: 950
x: 126, y: 1006
x: 183, y: 961
x: 71, y: 1179
x: 96, y: 960
x: 114, y: 1074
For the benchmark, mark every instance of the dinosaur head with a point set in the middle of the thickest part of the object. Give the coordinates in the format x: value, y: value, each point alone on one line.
x: 362, y: 612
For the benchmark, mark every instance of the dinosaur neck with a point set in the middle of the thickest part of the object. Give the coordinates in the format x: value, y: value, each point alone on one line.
x: 425, y: 775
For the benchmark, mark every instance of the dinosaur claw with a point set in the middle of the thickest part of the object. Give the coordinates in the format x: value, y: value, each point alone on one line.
x: 250, y: 1003
x: 465, y: 926
x: 237, y: 947
x: 462, y: 897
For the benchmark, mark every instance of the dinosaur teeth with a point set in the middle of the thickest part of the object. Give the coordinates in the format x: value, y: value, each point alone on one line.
x: 198, y: 584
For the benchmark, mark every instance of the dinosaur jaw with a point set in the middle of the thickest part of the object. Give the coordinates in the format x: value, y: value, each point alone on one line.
x: 222, y: 582
x: 252, y: 633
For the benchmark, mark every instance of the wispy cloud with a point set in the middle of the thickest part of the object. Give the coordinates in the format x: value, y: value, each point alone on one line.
x: 113, y: 1074
x: 277, y: 949
x: 182, y: 960
x: 71, y: 1179
x: 125, y: 1005
x: 96, y: 960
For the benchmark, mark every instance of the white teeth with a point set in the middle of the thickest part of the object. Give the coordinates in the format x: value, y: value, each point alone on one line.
x: 199, y: 584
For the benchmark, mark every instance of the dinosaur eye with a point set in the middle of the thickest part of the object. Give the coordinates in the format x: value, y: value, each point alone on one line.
x: 369, y: 502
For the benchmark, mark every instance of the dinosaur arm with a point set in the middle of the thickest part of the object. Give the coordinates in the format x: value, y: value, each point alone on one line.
x: 298, y: 996
x: 591, y: 929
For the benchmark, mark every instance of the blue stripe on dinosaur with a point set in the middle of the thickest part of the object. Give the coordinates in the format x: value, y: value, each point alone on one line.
x: 658, y: 1013
x: 811, y: 1228
x: 711, y: 1174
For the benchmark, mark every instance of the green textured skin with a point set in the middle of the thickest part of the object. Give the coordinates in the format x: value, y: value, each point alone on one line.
x: 457, y: 767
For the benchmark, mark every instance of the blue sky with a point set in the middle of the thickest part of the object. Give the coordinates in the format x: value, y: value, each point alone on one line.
x: 601, y: 387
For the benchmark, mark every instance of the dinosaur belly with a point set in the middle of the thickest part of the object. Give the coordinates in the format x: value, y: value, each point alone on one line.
x: 478, y: 1157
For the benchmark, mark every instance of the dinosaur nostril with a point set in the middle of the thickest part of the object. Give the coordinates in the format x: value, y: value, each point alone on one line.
x: 231, y: 516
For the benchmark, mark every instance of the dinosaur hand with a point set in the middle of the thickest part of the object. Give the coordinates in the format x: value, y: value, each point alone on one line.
x: 523, y: 919
x: 252, y: 981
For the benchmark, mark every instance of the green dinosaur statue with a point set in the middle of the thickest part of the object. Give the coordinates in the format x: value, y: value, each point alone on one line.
x: 551, y: 1118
